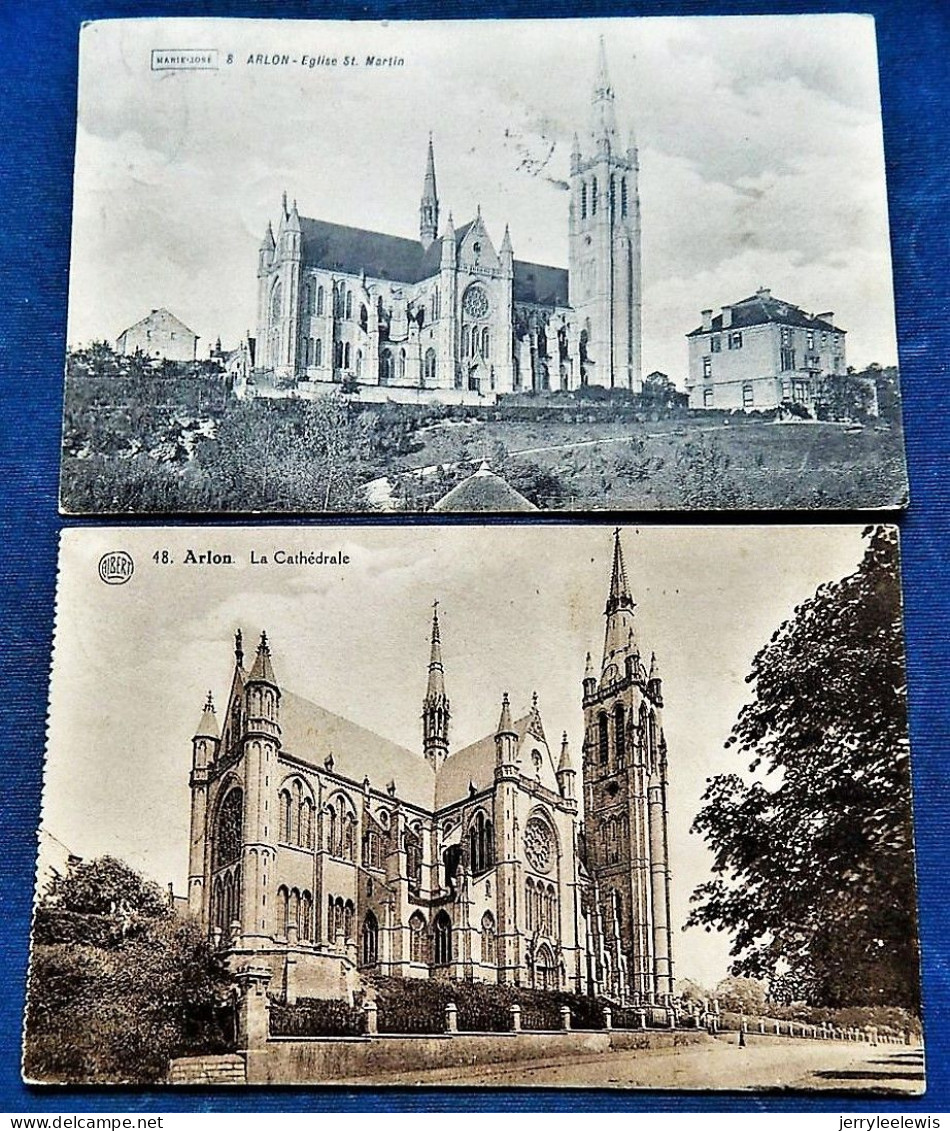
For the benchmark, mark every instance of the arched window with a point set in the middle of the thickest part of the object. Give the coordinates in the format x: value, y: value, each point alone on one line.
x: 603, y: 724
x: 583, y: 200
x: 465, y: 342
x: 485, y: 342
x: 338, y: 300
x: 308, y: 299
x: 346, y: 355
x: 364, y: 317
x: 337, y: 355
x: 417, y: 937
x: 386, y: 367
x: 320, y: 300
x: 305, y: 824
x: 349, y: 304
x: 651, y: 736
x: 529, y: 908
x: 286, y: 815
x: 401, y: 366
x: 620, y: 738
x: 481, y: 848
x: 276, y: 301
x: 435, y: 305
x: 329, y: 829
x: 545, y: 970
x: 306, y: 352
x: 283, y: 897
x: 306, y: 917
x: 489, y: 950
x: 228, y: 837
x: 370, y: 940
x: 358, y: 368
x: 428, y: 368
x: 349, y: 913
x: 442, y: 939
x: 349, y: 839
x: 593, y: 196
x: 413, y: 859
x: 293, y: 909
x: 318, y: 350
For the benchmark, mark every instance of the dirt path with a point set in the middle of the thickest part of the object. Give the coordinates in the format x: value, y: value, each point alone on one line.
x: 722, y: 1065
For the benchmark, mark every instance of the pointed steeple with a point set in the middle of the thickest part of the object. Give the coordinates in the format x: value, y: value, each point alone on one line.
x: 262, y: 670
x: 268, y: 243
x: 621, y: 635
x: 565, y: 763
x: 429, y: 205
x: 435, y: 706
x: 603, y: 113
x: 505, y: 726
x: 208, y: 726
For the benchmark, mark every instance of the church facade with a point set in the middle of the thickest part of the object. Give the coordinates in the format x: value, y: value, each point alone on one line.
x: 324, y: 851
x: 454, y: 315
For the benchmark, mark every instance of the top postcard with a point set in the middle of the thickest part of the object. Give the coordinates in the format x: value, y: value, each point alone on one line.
x: 636, y: 264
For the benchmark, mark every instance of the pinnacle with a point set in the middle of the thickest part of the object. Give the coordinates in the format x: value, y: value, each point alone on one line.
x: 504, y: 722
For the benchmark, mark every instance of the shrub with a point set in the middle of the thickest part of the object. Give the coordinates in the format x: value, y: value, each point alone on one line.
x: 313, y: 1018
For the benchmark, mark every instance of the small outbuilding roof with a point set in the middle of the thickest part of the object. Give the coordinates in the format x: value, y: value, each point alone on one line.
x: 484, y: 491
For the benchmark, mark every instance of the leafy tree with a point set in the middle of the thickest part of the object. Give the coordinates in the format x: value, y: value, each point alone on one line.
x: 702, y: 474
x: 103, y: 887
x: 689, y: 990
x: 114, y: 1005
x: 741, y: 995
x: 813, y: 847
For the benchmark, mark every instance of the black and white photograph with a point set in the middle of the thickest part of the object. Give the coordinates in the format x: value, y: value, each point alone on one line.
x: 470, y: 266
x: 436, y: 806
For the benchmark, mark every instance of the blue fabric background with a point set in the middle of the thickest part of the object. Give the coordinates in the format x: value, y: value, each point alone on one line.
x: 38, y: 62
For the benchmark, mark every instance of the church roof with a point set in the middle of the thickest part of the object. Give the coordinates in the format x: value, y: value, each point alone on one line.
x: 310, y: 732
x: 165, y: 319
x: 337, y: 247
x: 538, y: 284
x: 484, y: 491
x: 760, y: 309
x: 474, y: 763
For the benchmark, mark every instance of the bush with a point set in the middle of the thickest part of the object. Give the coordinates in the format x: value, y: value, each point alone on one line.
x: 313, y: 1018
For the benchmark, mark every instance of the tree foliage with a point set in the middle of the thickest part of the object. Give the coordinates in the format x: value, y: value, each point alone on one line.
x: 813, y: 846
x: 107, y: 1004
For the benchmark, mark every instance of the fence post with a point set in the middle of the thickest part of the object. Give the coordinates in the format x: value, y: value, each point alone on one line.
x: 451, y: 1018
x: 371, y: 1018
x: 761, y: 1026
x: 609, y: 1017
x: 643, y: 1019
x: 565, y: 1017
x: 516, y: 1018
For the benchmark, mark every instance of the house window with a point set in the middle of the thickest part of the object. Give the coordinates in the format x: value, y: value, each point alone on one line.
x: 735, y: 340
x: 715, y: 344
x: 707, y: 367
x: 748, y: 396
x: 810, y: 340
x: 707, y: 397
x: 800, y: 392
x: 788, y: 359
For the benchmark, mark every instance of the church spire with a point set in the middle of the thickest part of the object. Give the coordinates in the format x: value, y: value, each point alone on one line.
x: 621, y: 636
x: 435, y: 706
x: 603, y: 113
x: 429, y: 205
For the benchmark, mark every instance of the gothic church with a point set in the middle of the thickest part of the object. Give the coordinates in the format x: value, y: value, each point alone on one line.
x: 453, y: 316
x: 321, y: 850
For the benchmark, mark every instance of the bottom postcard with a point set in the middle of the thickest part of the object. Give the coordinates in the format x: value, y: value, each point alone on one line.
x: 478, y: 805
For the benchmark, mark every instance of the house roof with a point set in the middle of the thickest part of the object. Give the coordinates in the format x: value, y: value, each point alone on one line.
x: 163, y: 317
x: 484, y: 491
x: 762, y: 308
x: 310, y: 732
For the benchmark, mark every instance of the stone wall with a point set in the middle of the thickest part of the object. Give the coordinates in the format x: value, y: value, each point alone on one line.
x: 228, y: 1069
x: 394, y: 1059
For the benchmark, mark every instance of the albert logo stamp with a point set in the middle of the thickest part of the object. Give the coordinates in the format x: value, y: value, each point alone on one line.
x: 116, y: 567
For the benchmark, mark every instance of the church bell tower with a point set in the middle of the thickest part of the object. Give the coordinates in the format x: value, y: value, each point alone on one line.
x: 604, y: 246
x: 625, y: 803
